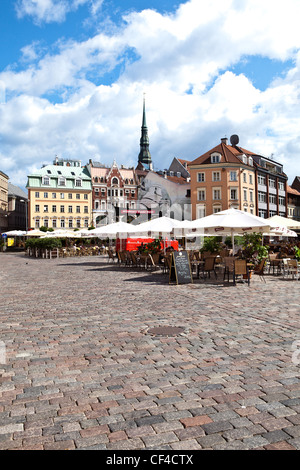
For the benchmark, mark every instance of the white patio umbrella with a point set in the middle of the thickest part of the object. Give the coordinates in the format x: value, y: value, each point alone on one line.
x: 111, y: 230
x: 230, y: 222
x: 35, y: 233
x: 161, y: 226
x: 61, y: 234
x: 279, y: 221
x: 281, y: 232
x: 15, y: 233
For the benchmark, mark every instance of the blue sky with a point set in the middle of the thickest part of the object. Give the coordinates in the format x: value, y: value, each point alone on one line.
x: 73, y: 74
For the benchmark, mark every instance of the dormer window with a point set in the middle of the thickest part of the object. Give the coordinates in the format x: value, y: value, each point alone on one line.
x: 61, y: 181
x: 115, y: 181
x: 215, y: 158
x: 78, y: 183
x: 250, y: 161
x: 46, y: 180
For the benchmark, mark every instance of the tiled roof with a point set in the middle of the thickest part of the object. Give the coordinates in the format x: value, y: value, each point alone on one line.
x: 228, y: 154
x: 293, y: 191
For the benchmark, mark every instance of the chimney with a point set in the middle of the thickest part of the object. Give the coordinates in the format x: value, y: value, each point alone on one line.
x: 224, y: 140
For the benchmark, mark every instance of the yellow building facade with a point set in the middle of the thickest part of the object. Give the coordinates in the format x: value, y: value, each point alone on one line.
x: 60, y: 196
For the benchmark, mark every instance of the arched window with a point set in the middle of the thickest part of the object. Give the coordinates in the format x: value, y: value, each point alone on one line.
x: 115, y: 181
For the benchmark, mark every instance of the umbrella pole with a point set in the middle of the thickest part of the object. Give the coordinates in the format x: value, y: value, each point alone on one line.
x: 232, y: 239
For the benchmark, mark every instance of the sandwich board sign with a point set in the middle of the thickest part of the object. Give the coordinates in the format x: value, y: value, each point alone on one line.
x: 180, y: 269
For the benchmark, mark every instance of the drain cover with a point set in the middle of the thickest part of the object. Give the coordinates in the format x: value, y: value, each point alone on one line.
x: 166, y: 330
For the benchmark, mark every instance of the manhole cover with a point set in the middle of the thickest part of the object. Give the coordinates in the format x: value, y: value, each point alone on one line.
x: 166, y: 330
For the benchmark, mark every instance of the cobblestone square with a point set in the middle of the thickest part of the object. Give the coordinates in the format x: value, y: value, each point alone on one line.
x: 80, y: 369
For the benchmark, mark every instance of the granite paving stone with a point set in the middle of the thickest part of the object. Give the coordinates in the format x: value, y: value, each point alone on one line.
x: 82, y: 371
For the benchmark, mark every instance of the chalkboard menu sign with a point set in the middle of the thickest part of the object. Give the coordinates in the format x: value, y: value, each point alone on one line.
x: 180, y: 270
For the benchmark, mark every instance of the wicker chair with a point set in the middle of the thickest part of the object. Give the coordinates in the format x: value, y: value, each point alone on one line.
x: 241, y: 269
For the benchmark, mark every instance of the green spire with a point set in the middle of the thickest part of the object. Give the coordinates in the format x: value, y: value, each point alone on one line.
x: 144, y: 155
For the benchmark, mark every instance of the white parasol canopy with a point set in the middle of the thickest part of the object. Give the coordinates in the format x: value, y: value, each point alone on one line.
x: 160, y: 225
x: 15, y: 233
x: 277, y: 220
x: 229, y: 222
x: 110, y: 230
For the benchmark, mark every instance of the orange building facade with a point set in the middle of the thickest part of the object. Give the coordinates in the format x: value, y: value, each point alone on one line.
x: 221, y: 179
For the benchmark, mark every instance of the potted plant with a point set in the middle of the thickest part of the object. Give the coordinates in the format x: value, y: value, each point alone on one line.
x: 253, y: 249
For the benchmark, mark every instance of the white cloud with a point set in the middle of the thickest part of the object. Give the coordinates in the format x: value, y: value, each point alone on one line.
x: 181, y: 61
x: 53, y: 11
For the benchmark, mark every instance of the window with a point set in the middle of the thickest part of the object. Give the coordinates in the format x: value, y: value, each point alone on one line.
x: 272, y: 183
x: 233, y: 176
x: 262, y: 197
x: 46, y: 223
x: 86, y: 209
x: 281, y: 185
x: 85, y: 196
x: 78, y: 223
x: 46, y: 180
x: 244, y: 177
x: 78, y: 183
x: 115, y: 181
x: 233, y: 194
x: 272, y: 198
x: 216, y: 194
x: 251, y: 196
x: 70, y: 196
x: 77, y: 196
x: 201, y: 211
x: 261, y: 179
x: 45, y: 195
x: 54, y: 223
x: 251, y: 179
x: 61, y: 181
x: 201, y: 195
x: 70, y: 223
x: 201, y: 177
x: 53, y: 208
x: 215, y: 158
x: 86, y: 223
x: 70, y: 209
x: 37, y: 223
x: 250, y: 161
x: 216, y: 209
x: 37, y: 208
x: 53, y: 195
x: 216, y: 176
x: 62, y: 223
x: 281, y: 201
x: 62, y: 208
x: 37, y: 194
x: 46, y: 208
x: 78, y: 209
x: 245, y: 194
x: 62, y: 195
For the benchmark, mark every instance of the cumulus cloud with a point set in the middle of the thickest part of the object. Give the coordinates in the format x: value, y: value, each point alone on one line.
x: 183, y: 61
x: 52, y: 11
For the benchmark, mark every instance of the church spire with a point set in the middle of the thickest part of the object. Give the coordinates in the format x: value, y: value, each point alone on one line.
x: 144, y: 155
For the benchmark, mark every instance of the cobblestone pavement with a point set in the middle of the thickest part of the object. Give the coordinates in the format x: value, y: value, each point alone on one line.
x: 83, y: 371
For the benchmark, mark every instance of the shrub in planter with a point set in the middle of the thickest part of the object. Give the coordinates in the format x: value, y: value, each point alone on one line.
x: 211, y: 244
x: 253, y: 250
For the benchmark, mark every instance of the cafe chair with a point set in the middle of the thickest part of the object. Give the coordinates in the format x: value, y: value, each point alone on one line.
x: 241, y: 269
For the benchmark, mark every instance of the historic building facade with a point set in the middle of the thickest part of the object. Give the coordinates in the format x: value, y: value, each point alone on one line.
x: 115, y: 192
x: 3, y: 201
x: 60, y: 196
x: 222, y: 178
